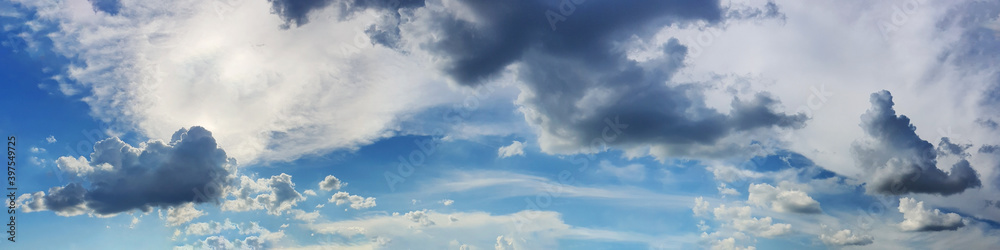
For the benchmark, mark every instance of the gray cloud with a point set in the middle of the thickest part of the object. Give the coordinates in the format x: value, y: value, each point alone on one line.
x: 899, y: 162
x: 119, y: 177
x: 296, y: 12
x: 578, y: 81
x: 330, y: 183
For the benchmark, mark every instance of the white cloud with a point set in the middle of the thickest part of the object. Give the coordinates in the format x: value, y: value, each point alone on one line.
x: 700, y: 206
x: 739, y: 219
x: 726, y: 190
x: 268, y: 92
x: 309, y: 192
x: 729, y: 244
x: 515, y: 148
x: 276, y: 194
x: 37, y: 150
x: 632, y: 172
x: 426, y: 228
x: 447, y: 202
x: 182, y: 214
x: 916, y: 218
x: 357, y: 202
x: 846, y: 238
x: 782, y: 200
x: 50, y: 139
x: 330, y: 183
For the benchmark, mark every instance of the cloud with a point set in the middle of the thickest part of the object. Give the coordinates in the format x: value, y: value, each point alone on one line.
x: 296, y: 11
x: 118, y: 177
x: 700, y: 206
x: 729, y: 244
x: 739, y: 218
x: 447, y: 202
x: 898, y: 161
x: 916, y: 218
x: 430, y: 229
x: 330, y: 183
x: 515, y: 148
x: 782, y: 200
x: 630, y: 172
x: 182, y: 214
x: 357, y: 202
x: 723, y: 190
x: 275, y: 194
x: 846, y: 238
x: 50, y: 139
x: 266, y: 91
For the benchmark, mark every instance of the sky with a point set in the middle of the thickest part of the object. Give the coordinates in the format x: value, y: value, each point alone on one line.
x: 520, y: 124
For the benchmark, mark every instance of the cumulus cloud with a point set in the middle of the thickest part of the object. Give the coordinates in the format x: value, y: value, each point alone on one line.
x: 739, y: 219
x: 182, y: 214
x: 899, y: 162
x: 917, y: 218
x: 118, y: 177
x: 846, y: 238
x: 276, y: 194
x: 50, y: 139
x: 515, y: 148
x: 267, y: 91
x: 729, y: 244
x: 782, y: 200
x: 578, y: 86
x: 330, y: 183
x: 700, y: 206
x: 356, y: 202
x: 447, y: 202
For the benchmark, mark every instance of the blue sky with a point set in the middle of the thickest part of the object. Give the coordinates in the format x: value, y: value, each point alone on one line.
x: 527, y: 124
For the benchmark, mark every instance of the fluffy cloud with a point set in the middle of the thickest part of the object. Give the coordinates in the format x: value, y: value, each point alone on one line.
x: 782, y: 200
x: 182, y: 214
x: 916, y: 218
x: 515, y: 148
x: 357, y: 202
x: 330, y: 183
x: 898, y: 161
x: 276, y: 194
x: 266, y: 89
x: 846, y: 238
x: 118, y: 177
x: 739, y: 219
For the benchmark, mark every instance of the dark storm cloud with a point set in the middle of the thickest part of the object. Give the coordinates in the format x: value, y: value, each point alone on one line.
x: 899, y: 162
x: 191, y: 168
x: 295, y: 12
x: 577, y: 78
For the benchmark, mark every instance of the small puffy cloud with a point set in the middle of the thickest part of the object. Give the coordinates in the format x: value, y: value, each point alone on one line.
x: 846, y: 238
x: 916, y: 218
x: 515, y: 148
x: 211, y: 227
x: 782, y: 200
x: 182, y: 214
x: 739, y: 218
x: 729, y: 244
x: 37, y: 150
x: 419, y: 217
x: 898, y: 161
x: 730, y: 174
x: 309, y: 192
x: 330, y: 183
x: 631, y: 172
x: 307, y: 217
x: 357, y: 202
x: 50, y: 139
x: 276, y: 194
x: 727, y: 190
x: 447, y: 202
x: 700, y: 206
